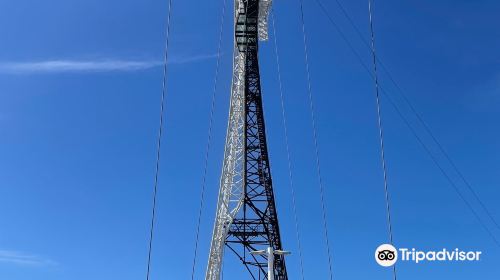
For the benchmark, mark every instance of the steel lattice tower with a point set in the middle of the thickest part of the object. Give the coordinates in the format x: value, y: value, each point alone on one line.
x: 246, y: 218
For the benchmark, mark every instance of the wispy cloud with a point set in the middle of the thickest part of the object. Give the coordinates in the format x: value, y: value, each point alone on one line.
x: 99, y: 65
x: 51, y: 66
x: 20, y: 258
x: 191, y: 59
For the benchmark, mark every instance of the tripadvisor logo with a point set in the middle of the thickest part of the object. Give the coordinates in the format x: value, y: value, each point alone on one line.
x: 387, y: 255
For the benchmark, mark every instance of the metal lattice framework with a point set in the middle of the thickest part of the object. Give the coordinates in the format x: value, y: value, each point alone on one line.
x: 246, y: 218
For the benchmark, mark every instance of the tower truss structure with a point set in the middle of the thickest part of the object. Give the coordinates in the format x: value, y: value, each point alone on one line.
x: 246, y: 218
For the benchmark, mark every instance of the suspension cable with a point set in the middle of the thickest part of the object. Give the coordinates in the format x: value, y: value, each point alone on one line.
x: 290, y: 177
x: 448, y: 178
x: 418, y: 116
x: 381, y: 131
x: 408, y: 124
x: 209, y: 139
x: 160, y: 133
x: 315, y: 138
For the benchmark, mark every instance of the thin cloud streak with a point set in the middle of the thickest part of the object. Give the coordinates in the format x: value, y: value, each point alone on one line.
x: 19, y: 258
x: 75, y: 66
x: 191, y: 59
x: 103, y: 65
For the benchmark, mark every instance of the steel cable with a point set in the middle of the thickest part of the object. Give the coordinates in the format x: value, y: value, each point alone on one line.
x: 315, y: 138
x: 160, y: 133
x: 408, y: 124
x: 209, y: 139
x: 417, y: 115
x: 448, y: 178
x: 290, y: 177
x: 381, y: 132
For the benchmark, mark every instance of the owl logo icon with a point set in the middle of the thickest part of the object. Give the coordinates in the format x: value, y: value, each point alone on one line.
x: 386, y: 255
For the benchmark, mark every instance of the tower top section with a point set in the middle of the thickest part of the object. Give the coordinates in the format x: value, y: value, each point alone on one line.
x: 251, y: 23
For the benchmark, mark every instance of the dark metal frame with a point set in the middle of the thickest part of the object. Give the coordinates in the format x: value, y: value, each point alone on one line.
x: 255, y: 227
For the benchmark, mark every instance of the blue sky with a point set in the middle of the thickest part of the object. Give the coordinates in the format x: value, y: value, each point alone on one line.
x: 80, y: 86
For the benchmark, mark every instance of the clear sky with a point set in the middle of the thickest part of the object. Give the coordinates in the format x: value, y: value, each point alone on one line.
x: 80, y: 86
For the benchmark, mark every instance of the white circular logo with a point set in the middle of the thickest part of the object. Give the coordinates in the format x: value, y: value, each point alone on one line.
x: 386, y: 255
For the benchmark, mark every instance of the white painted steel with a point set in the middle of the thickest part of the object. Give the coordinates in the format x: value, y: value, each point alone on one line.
x: 264, y: 9
x: 231, y: 182
x: 270, y: 252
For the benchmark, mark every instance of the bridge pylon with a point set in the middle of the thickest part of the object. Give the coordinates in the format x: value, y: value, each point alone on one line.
x: 246, y: 219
